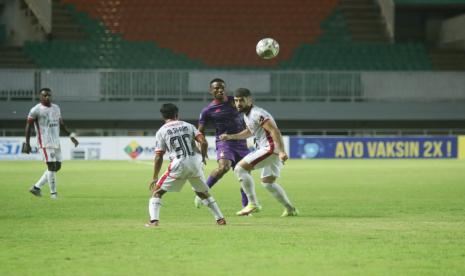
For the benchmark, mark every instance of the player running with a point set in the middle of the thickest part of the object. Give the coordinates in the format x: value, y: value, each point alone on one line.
x: 222, y: 113
x: 46, y: 117
x: 178, y: 139
x: 269, y: 156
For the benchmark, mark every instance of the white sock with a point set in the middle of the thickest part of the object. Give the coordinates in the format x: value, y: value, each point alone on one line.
x: 51, y: 177
x: 42, y: 180
x: 154, y: 208
x: 213, y: 206
x: 247, y: 184
x: 278, y: 192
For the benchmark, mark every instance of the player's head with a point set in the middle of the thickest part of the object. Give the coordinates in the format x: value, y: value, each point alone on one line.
x: 217, y: 89
x: 243, y: 99
x: 46, y: 96
x: 169, y: 111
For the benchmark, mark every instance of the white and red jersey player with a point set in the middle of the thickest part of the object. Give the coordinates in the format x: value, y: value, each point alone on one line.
x: 254, y: 121
x: 46, y: 120
x: 266, y: 155
x: 177, y: 138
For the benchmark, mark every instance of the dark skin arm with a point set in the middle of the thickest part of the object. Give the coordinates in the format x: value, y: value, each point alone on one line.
x: 67, y: 132
x: 28, y: 136
x: 201, y: 128
x: 203, y: 147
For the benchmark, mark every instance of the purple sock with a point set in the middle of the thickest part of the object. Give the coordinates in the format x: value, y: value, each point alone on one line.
x: 245, y: 201
x: 211, y: 181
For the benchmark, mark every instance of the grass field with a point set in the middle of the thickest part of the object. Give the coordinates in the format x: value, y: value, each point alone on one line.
x: 357, y: 218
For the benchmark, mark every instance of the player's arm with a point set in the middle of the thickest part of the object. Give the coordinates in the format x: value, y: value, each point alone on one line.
x: 201, y: 128
x: 158, y: 161
x: 238, y: 136
x: 275, y: 133
x: 200, y: 138
x: 71, y: 135
x: 27, y: 131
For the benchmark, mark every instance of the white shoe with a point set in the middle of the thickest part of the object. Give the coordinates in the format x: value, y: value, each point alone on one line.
x: 197, y: 202
x: 248, y: 210
x: 290, y: 212
x: 54, y: 196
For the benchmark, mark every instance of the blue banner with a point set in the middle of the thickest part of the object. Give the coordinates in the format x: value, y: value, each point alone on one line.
x: 379, y: 147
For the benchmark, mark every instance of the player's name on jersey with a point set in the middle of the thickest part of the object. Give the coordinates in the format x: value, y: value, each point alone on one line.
x: 177, y: 130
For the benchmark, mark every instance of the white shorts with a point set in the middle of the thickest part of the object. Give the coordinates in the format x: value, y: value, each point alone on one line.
x: 267, y: 161
x: 51, y: 154
x: 180, y: 170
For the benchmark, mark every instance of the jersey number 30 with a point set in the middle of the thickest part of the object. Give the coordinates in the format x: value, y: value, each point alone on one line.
x: 182, y: 145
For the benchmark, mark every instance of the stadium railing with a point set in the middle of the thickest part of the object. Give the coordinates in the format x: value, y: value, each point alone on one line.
x: 184, y: 85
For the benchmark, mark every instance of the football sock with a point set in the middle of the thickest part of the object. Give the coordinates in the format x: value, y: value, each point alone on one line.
x: 278, y: 192
x: 247, y: 184
x: 154, y: 208
x: 245, y: 201
x: 42, y: 180
x: 211, y: 181
x: 213, y: 206
x: 51, y: 178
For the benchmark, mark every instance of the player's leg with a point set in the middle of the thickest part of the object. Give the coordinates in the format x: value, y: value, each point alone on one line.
x: 54, y: 165
x: 36, y: 188
x: 239, y: 154
x: 51, y: 178
x: 224, y: 165
x: 50, y: 161
x: 171, y: 181
x: 154, y: 207
x: 269, y: 175
x: 242, y: 171
x: 201, y: 190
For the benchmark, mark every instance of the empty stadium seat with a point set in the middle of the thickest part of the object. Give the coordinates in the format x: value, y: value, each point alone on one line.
x: 313, y: 35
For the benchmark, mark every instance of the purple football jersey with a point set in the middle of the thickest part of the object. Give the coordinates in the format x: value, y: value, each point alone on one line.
x: 224, y: 117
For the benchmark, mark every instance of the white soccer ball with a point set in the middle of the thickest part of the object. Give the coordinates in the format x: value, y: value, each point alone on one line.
x: 267, y: 48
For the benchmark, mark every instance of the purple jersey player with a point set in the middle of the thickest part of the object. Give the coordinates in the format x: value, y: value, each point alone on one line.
x: 223, y: 115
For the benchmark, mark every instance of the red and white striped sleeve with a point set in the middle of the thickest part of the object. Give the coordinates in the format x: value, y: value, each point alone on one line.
x: 33, y: 114
x: 160, y: 144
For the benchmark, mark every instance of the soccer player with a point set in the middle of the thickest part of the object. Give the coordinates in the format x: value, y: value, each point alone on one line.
x: 178, y: 139
x: 269, y: 156
x: 46, y: 117
x: 222, y: 113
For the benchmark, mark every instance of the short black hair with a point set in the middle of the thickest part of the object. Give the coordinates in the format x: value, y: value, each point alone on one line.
x: 169, y: 111
x: 242, y: 92
x: 216, y: 80
x: 45, y: 89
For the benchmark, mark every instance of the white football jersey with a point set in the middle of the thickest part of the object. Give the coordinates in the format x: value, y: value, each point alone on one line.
x: 178, y: 139
x: 47, y: 124
x: 254, y: 120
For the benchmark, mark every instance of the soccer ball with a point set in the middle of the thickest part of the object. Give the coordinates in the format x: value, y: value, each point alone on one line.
x: 267, y: 48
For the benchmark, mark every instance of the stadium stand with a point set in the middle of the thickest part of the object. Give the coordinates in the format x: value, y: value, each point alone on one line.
x: 314, y: 35
x: 340, y: 70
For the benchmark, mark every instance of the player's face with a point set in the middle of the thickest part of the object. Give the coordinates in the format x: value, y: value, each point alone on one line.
x: 243, y: 104
x: 45, y: 97
x: 217, y: 90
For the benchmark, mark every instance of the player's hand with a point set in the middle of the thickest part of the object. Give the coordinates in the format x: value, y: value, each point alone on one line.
x: 224, y: 137
x: 152, y: 184
x: 26, y: 148
x: 204, y: 160
x: 283, y: 156
x: 75, y: 141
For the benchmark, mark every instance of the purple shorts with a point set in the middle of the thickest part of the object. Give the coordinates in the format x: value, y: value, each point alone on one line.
x: 231, y: 150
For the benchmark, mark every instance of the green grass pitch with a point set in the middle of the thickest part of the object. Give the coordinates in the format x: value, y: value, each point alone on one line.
x: 358, y: 217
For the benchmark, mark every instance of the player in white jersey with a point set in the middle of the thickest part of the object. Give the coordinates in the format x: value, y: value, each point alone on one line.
x: 269, y: 156
x: 46, y: 118
x: 178, y: 138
